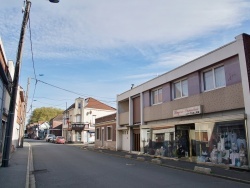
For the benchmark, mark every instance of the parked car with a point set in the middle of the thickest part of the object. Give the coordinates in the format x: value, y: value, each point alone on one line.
x: 52, y: 140
x: 60, y: 140
x: 48, y: 137
x: 36, y: 138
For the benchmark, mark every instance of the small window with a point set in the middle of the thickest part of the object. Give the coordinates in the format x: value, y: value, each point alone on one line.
x: 157, y: 96
x: 109, y: 131
x: 98, y: 134
x: 180, y: 89
x: 214, y: 78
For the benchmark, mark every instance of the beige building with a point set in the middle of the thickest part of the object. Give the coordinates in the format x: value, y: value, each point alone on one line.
x: 200, y: 110
x: 105, y: 132
x: 19, y: 124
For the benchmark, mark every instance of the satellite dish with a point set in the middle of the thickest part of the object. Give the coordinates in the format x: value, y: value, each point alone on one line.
x: 54, y: 1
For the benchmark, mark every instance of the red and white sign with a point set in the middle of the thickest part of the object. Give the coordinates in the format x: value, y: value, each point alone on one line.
x: 187, y: 111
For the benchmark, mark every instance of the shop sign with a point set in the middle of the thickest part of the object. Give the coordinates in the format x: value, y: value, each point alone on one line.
x: 187, y: 111
x: 78, y: 127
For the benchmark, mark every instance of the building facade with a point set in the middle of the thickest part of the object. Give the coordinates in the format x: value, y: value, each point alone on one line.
x: 199, y: 110
x: 6, y: 75
x: 19, y: 124
x: 105, y: 132
x: 79, y: 119
x: 56, y: 125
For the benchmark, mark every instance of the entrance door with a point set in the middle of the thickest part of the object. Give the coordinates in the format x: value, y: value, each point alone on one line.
x: 136, y: 140
x: 182, y: 136
x: 125, y: 140
x: 78, y: 136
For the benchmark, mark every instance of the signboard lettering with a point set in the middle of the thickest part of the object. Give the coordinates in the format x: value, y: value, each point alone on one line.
x: 187, y: 111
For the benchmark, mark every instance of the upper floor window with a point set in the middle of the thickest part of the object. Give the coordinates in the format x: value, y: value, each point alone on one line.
x: 78, y: 118
x: 180, y: 89
x: 79, y: 105
x: 157, y: 96
x: 214, y: 78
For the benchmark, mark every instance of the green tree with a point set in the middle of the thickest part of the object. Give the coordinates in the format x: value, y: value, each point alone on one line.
x: 44, y: 114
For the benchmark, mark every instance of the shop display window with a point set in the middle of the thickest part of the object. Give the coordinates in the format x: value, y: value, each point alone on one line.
x: 226, y: 145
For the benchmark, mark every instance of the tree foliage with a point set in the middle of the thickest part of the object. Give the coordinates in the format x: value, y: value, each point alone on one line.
x: 44, y: 114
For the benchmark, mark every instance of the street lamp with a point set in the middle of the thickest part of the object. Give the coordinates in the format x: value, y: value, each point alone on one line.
x: 12, y: 106
x: 54, y: 1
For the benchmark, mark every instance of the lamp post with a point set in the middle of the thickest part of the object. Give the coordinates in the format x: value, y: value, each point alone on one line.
x: 12, y: 106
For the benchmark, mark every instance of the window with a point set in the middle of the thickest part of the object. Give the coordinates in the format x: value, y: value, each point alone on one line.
x: 79, y: 105
x: 159, y: 137
x: 157, y: 96
x: 109, y: 131
x: 180, y: 89
x: 98, y: 134
x: 78, y: 118
x: 214, y: 78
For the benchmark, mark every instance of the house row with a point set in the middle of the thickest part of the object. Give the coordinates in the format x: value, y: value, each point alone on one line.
x: 6, y: 78
x: 199, y: 111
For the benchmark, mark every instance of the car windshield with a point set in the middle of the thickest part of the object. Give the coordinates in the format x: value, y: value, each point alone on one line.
x: 60, y: 137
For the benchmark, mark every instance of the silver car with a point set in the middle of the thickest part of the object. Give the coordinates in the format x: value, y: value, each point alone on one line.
x: 49, y: 137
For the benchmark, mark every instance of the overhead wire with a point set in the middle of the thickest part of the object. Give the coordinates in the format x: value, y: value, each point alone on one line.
x: 33, y: 63
x: 70, y: 91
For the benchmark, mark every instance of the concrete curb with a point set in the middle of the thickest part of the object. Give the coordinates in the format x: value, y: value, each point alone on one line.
x: 30, y: 178
x: 202, y: 169
x: 28, y: 170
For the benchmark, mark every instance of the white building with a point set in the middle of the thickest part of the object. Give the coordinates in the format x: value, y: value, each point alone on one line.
x: 79, y: 119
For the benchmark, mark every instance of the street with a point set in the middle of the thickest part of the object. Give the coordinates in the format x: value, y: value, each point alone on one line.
x: 69, y: 166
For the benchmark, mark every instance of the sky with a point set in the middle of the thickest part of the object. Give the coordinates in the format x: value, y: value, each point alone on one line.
x: 96, y: 48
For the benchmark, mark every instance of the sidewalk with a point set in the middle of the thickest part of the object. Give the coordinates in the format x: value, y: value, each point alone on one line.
x: 216, y: 171
x: 15, y: 174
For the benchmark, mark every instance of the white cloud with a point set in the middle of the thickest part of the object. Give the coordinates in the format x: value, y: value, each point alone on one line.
x: 84, y: 28
x: 149, y: 37
x: 174, y: 58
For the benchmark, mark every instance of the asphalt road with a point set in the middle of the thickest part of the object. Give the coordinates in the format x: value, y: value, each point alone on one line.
x: 69, y: 166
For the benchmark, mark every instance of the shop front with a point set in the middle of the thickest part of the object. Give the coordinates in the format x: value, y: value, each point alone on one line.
x: 222, y: 143
x: 209, y: 142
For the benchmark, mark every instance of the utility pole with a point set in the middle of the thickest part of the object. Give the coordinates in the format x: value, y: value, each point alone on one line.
x: 10, y: 120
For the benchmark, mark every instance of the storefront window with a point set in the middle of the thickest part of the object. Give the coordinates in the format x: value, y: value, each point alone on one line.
x: 162, y: 142
x: 222, y: 143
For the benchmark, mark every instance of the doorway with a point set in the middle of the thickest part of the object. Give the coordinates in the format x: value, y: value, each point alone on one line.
x: 185, y: 136
x: 136, y: 140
